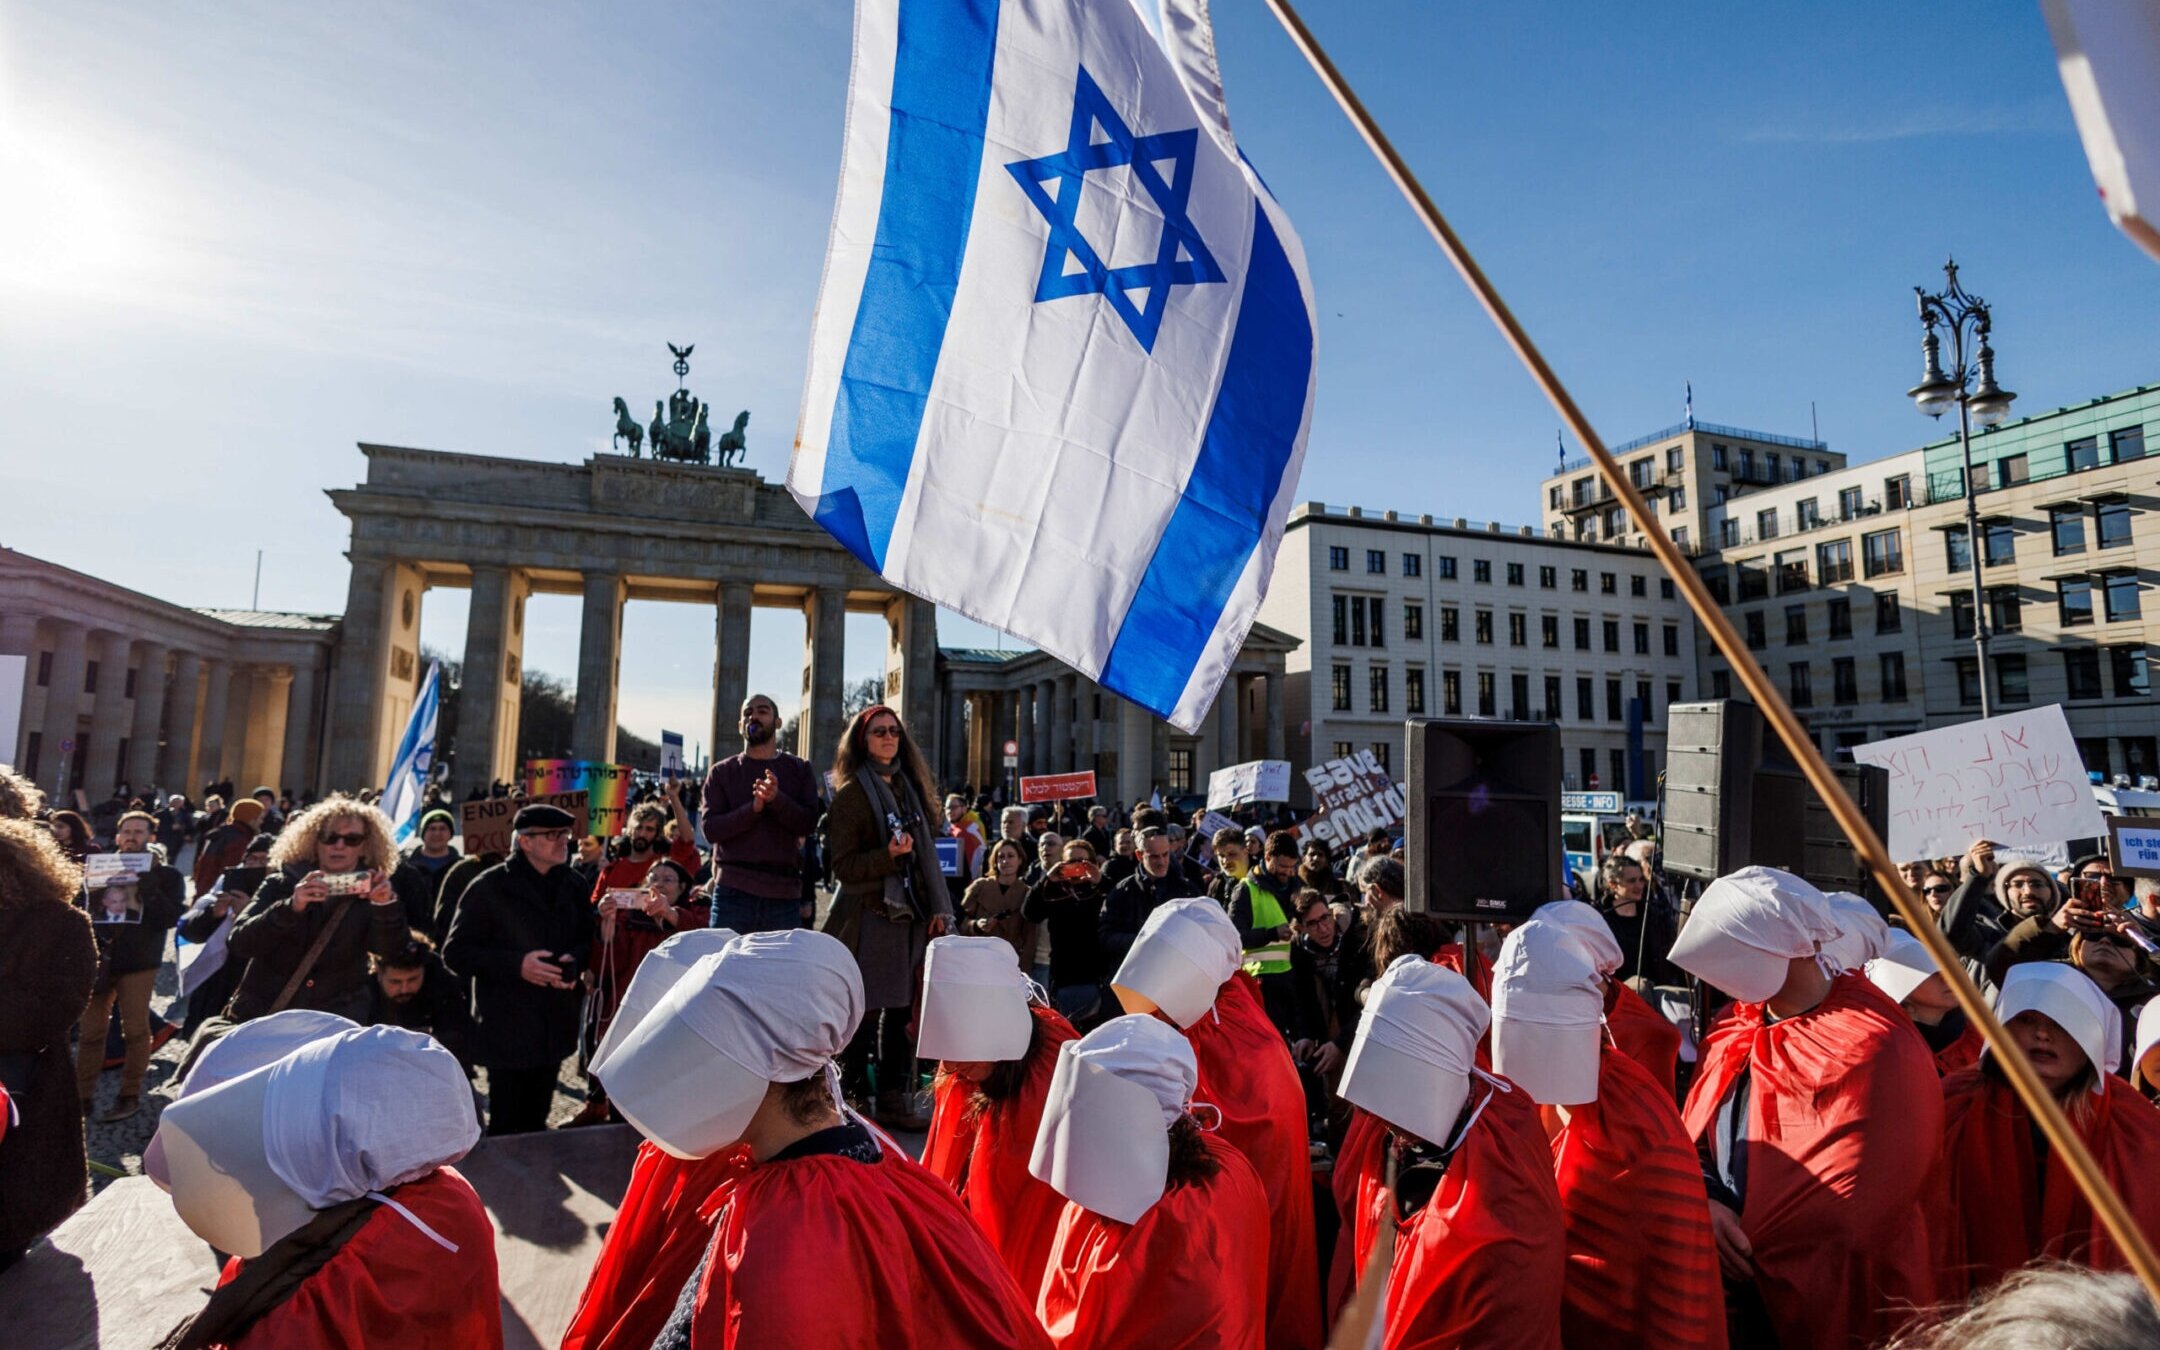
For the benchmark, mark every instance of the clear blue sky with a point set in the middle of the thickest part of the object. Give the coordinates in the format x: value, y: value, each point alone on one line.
x: 238, y: 238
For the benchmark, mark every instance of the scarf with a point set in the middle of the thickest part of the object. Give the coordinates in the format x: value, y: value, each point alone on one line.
x: 268, y: 1280
x: 892, y: 801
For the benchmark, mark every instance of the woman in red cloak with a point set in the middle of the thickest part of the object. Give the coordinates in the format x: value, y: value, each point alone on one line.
x: 2005, y: 1198
x: 1153, y: 1246
x: 1907, y: 974
x: 1638, y: 1030
x: 1185, y: 965
x: 977, y: 1011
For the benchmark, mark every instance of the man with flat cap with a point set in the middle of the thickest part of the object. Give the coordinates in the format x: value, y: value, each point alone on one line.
x: 522, y: 935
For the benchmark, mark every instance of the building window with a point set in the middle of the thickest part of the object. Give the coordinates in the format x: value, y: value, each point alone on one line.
x: 1791, y: 568
x: 1338, y: 559
x: 1961, y: 615
x: 1343, y: 750
x: 2113, y: 518
x: 2006, y: 613
x: 1998, y: 541
x: 1882, y: 553
x: 1893, y: 676
x: 2066, y: 527
x: 1413, y: 694
x: 1181, y: 768
x: 1968, y: 682
x: 1676, y: 500
x: 1888, y: 617
x: 1795, y: 625
x: 2082, y: 453
x: 1840, y: 618
x: 1548, y: 578
x: 1552, y: 698
x: 2081, y: 671
x: 1379, y: 630
x: 2013, y: 470
x: 1450, y: 624
x: 2127, y: 444
x: 1380, y: 753
x: 1719, y: 586
x: 1897, y: 492
x: 1376, y: 687
x: 1755, y: 638
x: 1642, y: 639
x: 2121, y: 595
x: 1341, y: 688
x: 1639, y: 471
x: 1806, y: 515
x: 1451, y: 693
x: 1721, y: 684
x: 1447, y: 567
x: 1413, y: 564
x: 1638, y: 586
x: 1579, y: 579
x: 1376, y: 561
x: 1357, y: 621
x: 1518, y: 630
x: 1718, y: 461
x: 2132, y: 678
x: 1582, y: 635
x: 1612, y: 701
x: 1612, y: 635
x: 2073, y: 600
x: 1585, y: 701
x: 1413, y: 623
x: 1617, y: 759
x: 1848, y: 503
x: 1487, y: 704
x: 1553, y: 498
x: 1672, y: 695
x: 1766, y: 524
x: 1615, y: 522
x: 1642, y: 697
x: 1514, y: 574
x: 1673, y: 459
x: 1608, y: 583
x: 1484, y: 627
x: 2011, y: 686
x: 1481, y: 571
x: 1833, y: 562
x: 1665, y: 586
x: 1957, y: 550
x: 1549, y: 630
x: 1341, y: 607
x: 1519, y: 697
x: 1771, y: 465
x: 1672, y: 639
x: 1800, y: 682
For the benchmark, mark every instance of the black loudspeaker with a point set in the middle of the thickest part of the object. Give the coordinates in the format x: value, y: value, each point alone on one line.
x: 1484, y: 822
x: 1713, y: 752
x: 1829, y: 860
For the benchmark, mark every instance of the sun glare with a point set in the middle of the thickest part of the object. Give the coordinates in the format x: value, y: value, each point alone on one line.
x: 68, y: 224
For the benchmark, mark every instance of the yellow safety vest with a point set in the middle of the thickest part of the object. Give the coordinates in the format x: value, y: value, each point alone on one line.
x: 1267, y: 912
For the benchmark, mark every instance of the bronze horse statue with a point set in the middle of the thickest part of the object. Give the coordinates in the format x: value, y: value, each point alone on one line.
x: 732, y: 442
x: 627, y: 429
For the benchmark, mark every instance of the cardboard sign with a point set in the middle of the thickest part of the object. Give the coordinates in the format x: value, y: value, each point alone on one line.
x: 1259, y: 780
x: 2134, y: 844
x: 1214, y: 823
x: 1058, y: 787
x: 2016, y: 780
x: 606, y: 788
x: 112, y: 886
x: 1355, y: 797
x: 485, y: 824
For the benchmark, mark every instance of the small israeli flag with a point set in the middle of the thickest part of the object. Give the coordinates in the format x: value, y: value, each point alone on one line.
x: 415, y: 760
x: 1061, y: 372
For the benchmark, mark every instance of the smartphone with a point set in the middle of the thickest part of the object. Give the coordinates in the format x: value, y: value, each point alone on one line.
x: 1076, y: 871
x: 2093, y: 891
x: 346, y: 883
x: 623, y: 899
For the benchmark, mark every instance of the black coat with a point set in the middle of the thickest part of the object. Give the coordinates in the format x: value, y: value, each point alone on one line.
x: 48, y: 962
x: 128, y: 948
x: 1126, y: 908
x: 273, y: 938
x: 506, y: 912
x: 439, y: 1009
x: 418, y: 887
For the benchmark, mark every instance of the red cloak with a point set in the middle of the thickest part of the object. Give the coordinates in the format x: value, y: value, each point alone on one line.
x: 1246, y: 1072
x: 985, y: 1159
x: 1509, y: 1111
x: 1364, y: 1148
x: 1642, y: 1269
x: 1184, y: 1277
x: 1482, y: 1263
x: 1844, y: 1119
x: 392, y: 1284
x: 1962, y: 1053
x: 1995, y: 1209
x: 1643, y: 1034
x: 652, y: 1248
x: 827, y: 1253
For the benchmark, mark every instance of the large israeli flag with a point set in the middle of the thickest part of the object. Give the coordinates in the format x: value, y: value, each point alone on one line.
x: 1062, y: 367
x: 415, y: 759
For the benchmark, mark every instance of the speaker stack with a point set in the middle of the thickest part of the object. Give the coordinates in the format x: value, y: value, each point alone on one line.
x: 1483, y: 836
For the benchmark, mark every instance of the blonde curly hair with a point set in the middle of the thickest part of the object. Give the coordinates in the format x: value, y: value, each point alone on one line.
x: 296, y: 844
x: 20, y: 799
x: 33, y: 868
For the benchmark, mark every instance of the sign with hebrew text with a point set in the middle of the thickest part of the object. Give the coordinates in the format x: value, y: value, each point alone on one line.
x: 2016, y: 780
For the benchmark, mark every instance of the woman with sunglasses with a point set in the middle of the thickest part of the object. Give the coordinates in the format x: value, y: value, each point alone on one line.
x: 893, y: 898
x: 329, y: 865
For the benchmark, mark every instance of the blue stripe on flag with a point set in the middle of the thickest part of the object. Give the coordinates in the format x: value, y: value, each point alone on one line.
x: 1224, y: 511
x: 940, y: 102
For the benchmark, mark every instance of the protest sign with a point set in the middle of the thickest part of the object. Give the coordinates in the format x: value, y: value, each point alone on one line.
x: 606, y: 788
x: 1355, y: 797
x: 948, y: 854
x: 2016, y: 779
x: 1259, y: 780
x: 110, y: 886
x: 1213, y: 823
x: 485, y: 824
x: 671, y: 757
x: 1058, y: 787
x: 2134, y: 844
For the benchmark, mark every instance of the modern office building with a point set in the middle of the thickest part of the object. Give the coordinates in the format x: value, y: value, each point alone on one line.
x: 1686, y: 471
x: 1404, y: 617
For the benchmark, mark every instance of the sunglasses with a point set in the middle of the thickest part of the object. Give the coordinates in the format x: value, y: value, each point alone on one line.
x: 351, y: 839
x: 883, y: 729
x: 551, y: 836
x: 1937, y: 890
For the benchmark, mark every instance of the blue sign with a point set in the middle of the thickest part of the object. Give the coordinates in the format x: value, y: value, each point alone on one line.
x: 948, y: 855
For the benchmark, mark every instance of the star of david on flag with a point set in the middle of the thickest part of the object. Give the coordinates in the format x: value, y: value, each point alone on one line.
x: 1061, y: 371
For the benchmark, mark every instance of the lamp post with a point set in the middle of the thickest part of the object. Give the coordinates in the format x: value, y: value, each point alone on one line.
x: 1954, y: 310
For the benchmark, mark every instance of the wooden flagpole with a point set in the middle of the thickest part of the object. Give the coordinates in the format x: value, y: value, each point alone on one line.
x: 2068, y: 1146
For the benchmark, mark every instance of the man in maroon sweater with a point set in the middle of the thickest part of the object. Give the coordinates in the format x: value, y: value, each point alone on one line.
x: 759, y: 807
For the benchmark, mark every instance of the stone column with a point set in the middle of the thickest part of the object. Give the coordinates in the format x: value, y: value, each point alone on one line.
x: 239, y: 693
x: 65, y: 699
x: 592, y: 725
x: 1040, y: 753
x: 141, y: 768
x: 378, y: 671
x: 731, y: 665
x: 210, y: 744
x: 108, y: 717
x: 1278, y: 729
x: 269, y: 702
x: 1230, y: 708
x: 1158, y: 754
x: 18, y: 637
x: 824, y: 658
x: 1133, y: 753
x: 177, y: 769
x: 918, y: 669
x: 1065, y: 723
x: 492, y: 674
x: 953, y: 743
x: 296, y: 762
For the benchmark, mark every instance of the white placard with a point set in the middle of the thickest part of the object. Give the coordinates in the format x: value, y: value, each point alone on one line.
x: 2016, y: 779
x: 1355, y: 796
x: 1260, y: 780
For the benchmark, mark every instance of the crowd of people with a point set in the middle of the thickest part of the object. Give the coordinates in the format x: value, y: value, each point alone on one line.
x: 1178, y: 1085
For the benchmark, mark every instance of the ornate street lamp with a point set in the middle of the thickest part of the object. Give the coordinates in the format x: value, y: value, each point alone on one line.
x: 1978, y: 399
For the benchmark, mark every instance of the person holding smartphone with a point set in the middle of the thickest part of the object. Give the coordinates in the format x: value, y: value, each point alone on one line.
x: 1068, y: 903
x: 330, y: 866
x: 991, y: 905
